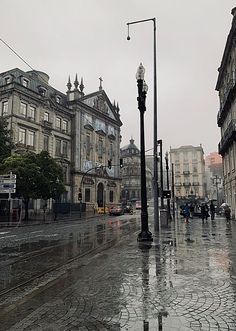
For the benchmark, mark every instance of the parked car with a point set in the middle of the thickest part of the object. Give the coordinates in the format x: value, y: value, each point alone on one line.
x: 116, y: 210
x: 128, y: 208
x: 138, y: 205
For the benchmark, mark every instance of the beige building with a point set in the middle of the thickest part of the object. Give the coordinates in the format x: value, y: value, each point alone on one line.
x: 189, y: 171
x: 226, y: 117
x: 82, y: 132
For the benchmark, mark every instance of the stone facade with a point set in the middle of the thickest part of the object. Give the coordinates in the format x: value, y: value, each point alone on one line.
x: 189, y: 171
x: 82, y: 132
x: 226, y: 117
x: 131, y: 178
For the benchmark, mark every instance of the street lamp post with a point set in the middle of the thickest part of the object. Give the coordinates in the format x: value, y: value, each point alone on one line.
x: 155, y: 172
x: 56, y: 199
x: 168, y: 185
x: 173, y: 189
x: 145, y: 234
x: 159, y: 142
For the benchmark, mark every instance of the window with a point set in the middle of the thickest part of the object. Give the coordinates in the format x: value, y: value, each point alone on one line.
x: 4, y: 108
x: 58, y: 99
x: 111, y: 150
x: 7, y: 80
x: 42, y: 91
x: 88, y: 119
x: 22, y: 136
x: 23, y: 109
x: 25, y: 82
x: 58, y: 122
x: 65, y: 125
x: 100, y: 147
x: 46, y: 116
x: 186, y: 167
x: 65, y: 173
x: 111, y: 196
x: 58, y: 147
x: 31, y: 138
x: 177, y: 168
x: 31, y: 112
x: 194, y: 167
x: 64, y: 148
x: 87, y: 195
x: 88, y: 147
x: 45, y: 143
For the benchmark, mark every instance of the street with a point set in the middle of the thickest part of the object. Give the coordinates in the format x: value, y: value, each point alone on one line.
x: 186, y: 280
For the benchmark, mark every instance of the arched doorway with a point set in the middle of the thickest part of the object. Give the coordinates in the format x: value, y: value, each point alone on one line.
x: 100, y: 195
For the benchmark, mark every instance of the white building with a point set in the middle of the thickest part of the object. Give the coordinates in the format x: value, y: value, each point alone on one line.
x: 189, y: 172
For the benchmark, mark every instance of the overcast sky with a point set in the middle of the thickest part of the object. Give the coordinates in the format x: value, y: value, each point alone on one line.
x: 89, y: 38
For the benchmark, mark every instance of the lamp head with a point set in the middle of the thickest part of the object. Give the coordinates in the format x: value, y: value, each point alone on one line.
x: 140, y: 72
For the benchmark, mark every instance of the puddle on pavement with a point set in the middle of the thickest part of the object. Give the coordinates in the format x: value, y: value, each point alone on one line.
x: 26, y: 260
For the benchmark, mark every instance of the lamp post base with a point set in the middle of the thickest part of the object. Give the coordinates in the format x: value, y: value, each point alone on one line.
x: 145, y: 236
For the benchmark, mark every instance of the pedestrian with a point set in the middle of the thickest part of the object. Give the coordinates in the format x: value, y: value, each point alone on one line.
x: 212, y: 210
x: 191, y: 209
x: 186, y: 212
x: 206, y: 211
x: 227, y: 213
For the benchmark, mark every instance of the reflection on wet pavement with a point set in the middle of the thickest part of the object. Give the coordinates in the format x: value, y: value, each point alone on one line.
x: 185, y: 280
x: 21, y: 260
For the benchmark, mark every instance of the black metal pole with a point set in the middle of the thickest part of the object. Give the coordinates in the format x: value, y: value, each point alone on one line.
x: 168, y: 185
x: 161, y: 173
x: 173, y: 189
x: 155, y: 171
x: 145, y: 234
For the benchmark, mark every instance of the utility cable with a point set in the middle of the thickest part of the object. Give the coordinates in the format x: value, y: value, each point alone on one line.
x: 21, y: 58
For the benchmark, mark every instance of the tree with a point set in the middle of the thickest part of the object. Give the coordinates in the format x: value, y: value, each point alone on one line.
x: 6, y: 143
x: 38, y: 176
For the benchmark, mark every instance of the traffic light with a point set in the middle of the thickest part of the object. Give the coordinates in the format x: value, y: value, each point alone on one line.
x: 166, y: 194
x: 80, y: 195
x: 109, y: 164
x: 121, y: 163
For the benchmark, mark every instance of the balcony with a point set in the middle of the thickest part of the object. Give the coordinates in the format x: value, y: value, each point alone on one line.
x: 228, y: 137
x: 47, y: 124
x: 186, y: 172
x: 226, y: 102
x: 178, y: 185
x: 195, y: 183
x: 186, y: 184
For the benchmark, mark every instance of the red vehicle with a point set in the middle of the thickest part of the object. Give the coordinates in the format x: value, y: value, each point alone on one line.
x: 116, y: 210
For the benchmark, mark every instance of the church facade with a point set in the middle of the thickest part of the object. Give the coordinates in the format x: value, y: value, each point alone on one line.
x: 82, y: 132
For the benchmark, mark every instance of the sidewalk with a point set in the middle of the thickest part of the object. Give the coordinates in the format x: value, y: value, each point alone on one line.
x: 185, y: 281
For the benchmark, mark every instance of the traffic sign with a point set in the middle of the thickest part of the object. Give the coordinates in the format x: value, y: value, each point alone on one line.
x: 8, y: 181
x: 12, y: 176
x: 7, y: 186
x: 7, y: 190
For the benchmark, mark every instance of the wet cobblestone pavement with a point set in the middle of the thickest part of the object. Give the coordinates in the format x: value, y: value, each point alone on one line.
x: 185, y: 281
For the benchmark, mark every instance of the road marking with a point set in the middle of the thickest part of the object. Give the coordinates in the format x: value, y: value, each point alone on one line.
x: 4, y: 232
x: 36, y: 231
x: 8, y: 237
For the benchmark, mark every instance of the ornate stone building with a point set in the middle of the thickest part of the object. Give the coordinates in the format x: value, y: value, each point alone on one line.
x: 131, y: 178
x: 189, y: 171
x: 80, y: 131
x: 226, y: 117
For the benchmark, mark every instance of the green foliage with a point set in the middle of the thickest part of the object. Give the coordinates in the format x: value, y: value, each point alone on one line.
x: 6, y: 143
x: 38, y: 175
